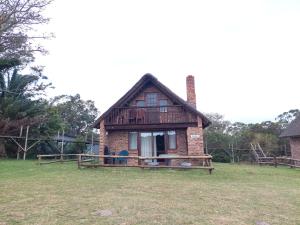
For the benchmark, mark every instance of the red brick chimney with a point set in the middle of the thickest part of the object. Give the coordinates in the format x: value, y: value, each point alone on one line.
x: 190, y: 90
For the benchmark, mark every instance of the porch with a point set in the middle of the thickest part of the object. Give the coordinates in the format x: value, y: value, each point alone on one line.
x: 174, y: 162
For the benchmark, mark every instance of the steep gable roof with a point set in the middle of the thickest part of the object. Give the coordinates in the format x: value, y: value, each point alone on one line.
x: 139, y: 86
x: 293, y: 130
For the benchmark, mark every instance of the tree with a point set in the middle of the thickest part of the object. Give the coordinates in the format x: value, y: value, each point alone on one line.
x: 218, y: 123
x: 217, y: 138
x: 77, y: 115
x: 21, y: 102
x: 285, y: 118
x: 18, y: 18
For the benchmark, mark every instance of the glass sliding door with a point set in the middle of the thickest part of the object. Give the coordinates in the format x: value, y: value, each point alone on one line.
x: 152, y: 144
x: 146, y: 145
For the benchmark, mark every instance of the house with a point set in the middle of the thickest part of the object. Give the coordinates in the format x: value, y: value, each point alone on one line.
x: 151, y: 120
x: 293, y: 133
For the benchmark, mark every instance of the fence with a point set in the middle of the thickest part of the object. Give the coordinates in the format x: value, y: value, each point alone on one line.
x: 55, y: 158
x: 275, y: 161
x: 172, y: 162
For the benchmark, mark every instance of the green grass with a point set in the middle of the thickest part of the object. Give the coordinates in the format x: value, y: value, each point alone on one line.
x: 62, y: 194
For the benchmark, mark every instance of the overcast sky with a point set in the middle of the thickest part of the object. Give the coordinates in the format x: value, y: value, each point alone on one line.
x: 244, y: 54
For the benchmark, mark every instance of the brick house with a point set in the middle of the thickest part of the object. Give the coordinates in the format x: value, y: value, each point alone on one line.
x: 293, y: 133
x: 150, y: 120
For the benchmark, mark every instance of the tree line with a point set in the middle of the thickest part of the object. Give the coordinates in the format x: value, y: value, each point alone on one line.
x: 223, y: 136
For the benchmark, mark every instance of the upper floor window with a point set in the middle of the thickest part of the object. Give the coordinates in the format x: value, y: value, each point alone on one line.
x: 163, y: 105
x: 151, y: 99
x: 140, y: 103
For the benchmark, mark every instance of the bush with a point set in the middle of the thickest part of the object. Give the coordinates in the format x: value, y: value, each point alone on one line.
x: 221, y: 156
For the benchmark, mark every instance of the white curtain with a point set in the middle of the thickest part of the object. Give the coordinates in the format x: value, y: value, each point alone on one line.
x: 146, y: 145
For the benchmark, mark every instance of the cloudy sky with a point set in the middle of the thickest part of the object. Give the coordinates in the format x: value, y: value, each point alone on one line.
x: 244, y: 54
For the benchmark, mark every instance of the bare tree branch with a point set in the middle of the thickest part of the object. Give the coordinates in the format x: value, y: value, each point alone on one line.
x: 17, y: 19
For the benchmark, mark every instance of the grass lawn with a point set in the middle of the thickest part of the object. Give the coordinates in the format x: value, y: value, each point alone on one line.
x: 62, y: 194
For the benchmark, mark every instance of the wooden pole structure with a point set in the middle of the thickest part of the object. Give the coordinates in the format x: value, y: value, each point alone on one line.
x: 285, y: 152
x: 57, y: 141
x: 232, y: 152
x: 19, y: 149
x: 26, y: 142
x: 92, y: 146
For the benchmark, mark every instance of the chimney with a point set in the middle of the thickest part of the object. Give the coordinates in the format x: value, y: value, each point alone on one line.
x: 190, y: 90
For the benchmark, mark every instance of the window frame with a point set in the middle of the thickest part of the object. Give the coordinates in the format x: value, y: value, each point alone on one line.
x: 163, y: 108
x: 136, y: 103
x: 147, y: 100
x: 136, y: 139
x: 168, y: 138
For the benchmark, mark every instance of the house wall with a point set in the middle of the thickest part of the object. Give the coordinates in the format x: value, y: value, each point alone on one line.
x: 195, y: 139
x: 118, y: 140
x: 295, y: 147
x: 181, y: 144
x: 102, y: 139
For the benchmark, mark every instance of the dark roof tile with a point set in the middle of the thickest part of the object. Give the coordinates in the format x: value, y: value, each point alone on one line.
x: 293, y: 130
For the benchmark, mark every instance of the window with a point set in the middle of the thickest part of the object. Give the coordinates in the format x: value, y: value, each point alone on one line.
x: 140, y: 103
x: 163, y: 105
x: 151, y: 99
x: 172, y: 139
x: 133, y: 140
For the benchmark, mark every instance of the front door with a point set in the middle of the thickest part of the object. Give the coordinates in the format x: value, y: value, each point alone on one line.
x: 159, y: 144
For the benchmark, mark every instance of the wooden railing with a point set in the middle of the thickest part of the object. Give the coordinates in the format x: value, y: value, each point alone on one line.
x: 149, y: 115
x: 55, y: 158
x: 172, y: 162
x: 284, y: 161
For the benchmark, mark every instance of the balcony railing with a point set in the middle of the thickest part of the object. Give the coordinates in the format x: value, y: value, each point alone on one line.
x: 150, y: 115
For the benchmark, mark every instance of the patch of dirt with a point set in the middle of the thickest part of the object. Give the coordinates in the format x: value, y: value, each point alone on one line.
x: 17, y: 215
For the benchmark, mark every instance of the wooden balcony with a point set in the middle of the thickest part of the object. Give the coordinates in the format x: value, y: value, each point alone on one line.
x: 150, y: 117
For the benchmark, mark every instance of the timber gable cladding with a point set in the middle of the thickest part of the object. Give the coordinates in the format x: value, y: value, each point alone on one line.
x: 149, y: 79
x: 151, y: 109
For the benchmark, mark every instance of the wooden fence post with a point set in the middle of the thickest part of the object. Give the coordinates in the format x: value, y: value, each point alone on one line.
x: 40, y: 158
x: 62, y: 145
x: 79, y: 161
x: 275, y: 161
x: 19, y: 149
x: 26, y: 143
